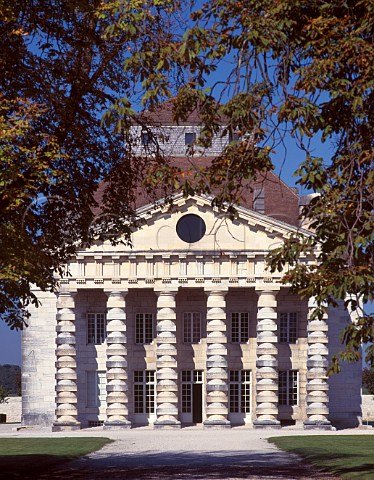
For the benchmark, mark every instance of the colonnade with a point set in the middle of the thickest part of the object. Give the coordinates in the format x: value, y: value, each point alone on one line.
x: 167, y: 389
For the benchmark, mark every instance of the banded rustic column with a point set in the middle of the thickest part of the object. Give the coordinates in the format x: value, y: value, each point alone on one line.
x: 66, y: 366
x: 216, y: 362
x: 267, y: 361
x: 317, y: 398
x: 116, y: 365
x: 166, y: 362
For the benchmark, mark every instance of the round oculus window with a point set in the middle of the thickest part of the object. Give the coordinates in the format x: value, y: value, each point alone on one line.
x: 191, y: 228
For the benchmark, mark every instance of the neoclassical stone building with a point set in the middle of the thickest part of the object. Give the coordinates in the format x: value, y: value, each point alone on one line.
x: 187, y: 325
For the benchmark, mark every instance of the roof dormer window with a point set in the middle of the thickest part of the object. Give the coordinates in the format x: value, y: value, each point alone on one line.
x: 146, y: 138
x: 234, y: 136
x: 189, y: 138
x: 259, y: 199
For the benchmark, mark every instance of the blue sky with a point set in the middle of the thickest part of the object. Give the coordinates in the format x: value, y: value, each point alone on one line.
x: 10, y: 345
x: 286, y: 160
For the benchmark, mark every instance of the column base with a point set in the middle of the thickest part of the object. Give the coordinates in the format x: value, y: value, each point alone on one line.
x: 124, y: 425
x: 65, y: 426
x: 217, y: 424
x: 264, y: 424
x: 315, y: 425
x: 166, y: 424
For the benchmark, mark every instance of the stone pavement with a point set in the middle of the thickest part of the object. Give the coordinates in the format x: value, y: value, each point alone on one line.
x: 188, y: 453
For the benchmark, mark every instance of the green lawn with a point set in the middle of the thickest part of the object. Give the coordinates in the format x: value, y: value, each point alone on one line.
x: 33, y: 456
x: 349, y: 456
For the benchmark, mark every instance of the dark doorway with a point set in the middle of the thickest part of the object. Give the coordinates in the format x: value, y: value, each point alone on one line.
x: 197, y: 403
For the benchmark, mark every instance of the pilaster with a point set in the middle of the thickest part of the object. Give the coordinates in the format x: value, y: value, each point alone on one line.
x: 66, y: 366
x: 267, y: 360
x: 317, y: 398
x: 117, y: 399
x: 166, y: 362
x: 216, y: 362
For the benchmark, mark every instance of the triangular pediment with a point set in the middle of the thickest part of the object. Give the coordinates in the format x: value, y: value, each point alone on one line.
x: 249, y: 231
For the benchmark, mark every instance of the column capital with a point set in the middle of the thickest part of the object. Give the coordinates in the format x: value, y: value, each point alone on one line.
x: 115, y: 293
x: 216, y: 291
x: 312, y: 302
x: 166, y: 291
x: 268, y: 290
x: 64, y: 292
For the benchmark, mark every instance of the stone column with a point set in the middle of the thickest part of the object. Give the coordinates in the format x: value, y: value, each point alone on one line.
x: 66, y: 366
x: 116, y: 365
x: 267, y: 361
x: 166, y: 362
x: 317, y: 398
x: 216, y: 361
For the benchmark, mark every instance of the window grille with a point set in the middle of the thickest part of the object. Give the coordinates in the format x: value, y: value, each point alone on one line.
x: 240, y: 327
x: 95, y: 423
x: 191, y: 327
x: 144, y: 391
x: 240, y: 391
x: 144, y: 330
x: 288, y: 327
x: 288, y: 387
x: 96, y: 328
x: 188, y: 378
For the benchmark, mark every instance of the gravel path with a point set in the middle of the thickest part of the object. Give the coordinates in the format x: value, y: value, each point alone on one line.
x: 189, y: 454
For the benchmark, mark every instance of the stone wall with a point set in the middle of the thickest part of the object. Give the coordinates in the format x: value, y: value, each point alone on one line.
x: 367, y: 408
x: 38, y: 362
x: 12, y: 409
x: 345, y: 387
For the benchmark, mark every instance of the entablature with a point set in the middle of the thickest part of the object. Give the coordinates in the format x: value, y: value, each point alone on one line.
x: 144, y: 269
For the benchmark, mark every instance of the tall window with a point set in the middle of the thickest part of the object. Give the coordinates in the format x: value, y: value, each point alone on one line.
x: 240, y: 391
x: 95, y: 388
x: 96, y: 328
x: 288, y: 327
x: 144, y: 391
x: 191, y: 327
x: 239, y: 327
x: 144, y: 328
x: 287, y: 387
x: 188, y: 378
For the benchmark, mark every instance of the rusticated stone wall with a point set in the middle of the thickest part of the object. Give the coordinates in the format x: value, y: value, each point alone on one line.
x: 12, y: 409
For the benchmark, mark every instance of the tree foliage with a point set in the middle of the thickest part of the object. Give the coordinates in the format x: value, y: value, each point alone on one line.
x: 3, y: 395
x: 10, y: 379
x: 58, y: 75
x: 368, y: 380
x: 300, y: 70
x: 71, y: 75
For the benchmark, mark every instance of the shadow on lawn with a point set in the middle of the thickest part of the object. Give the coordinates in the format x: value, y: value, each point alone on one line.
x: 326, y: 460
x: 29, y: 466
x: 156, y: 466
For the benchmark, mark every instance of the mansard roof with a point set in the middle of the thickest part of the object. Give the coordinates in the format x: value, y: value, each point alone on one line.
x: 280, y: 201
x: 163, y: 115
